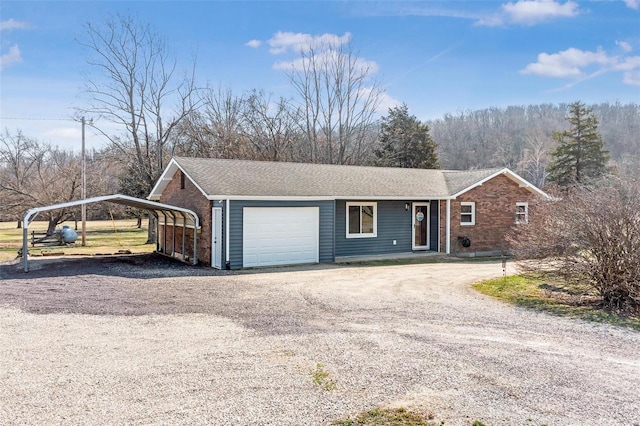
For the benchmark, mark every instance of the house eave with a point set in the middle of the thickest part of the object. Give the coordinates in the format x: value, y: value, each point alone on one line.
x: 322, y: 197
x: 166, y: 177
x: 522, y: 183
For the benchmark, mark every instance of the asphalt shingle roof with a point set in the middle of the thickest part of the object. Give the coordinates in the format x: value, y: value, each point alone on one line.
x: 279, y: 179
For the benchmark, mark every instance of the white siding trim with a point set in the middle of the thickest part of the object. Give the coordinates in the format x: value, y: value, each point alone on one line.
x: 448, y: 228
x: 226, y: 232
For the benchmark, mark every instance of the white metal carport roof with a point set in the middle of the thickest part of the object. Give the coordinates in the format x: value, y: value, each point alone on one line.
x: 187, y: 217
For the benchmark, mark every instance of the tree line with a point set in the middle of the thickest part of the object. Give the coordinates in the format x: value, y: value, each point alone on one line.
x: 522, y: 137
x: 332, y: 118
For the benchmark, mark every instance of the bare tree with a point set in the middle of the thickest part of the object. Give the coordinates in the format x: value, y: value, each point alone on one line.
x: 270, y: 129
x: 215, y: 130
x: 591, y: 237
x: 338, y: 99
x: 535, y: 158
x: 36, y: 174
x: 138, y: 89
x: 17, y: 161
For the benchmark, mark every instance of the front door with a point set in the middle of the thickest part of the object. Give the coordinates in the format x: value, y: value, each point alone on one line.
x: 421, y: 226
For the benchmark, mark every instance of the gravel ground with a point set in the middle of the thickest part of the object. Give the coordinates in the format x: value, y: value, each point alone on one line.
x: 138, y: 340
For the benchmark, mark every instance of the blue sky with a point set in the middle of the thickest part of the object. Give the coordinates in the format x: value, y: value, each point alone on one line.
x: 437, y: 57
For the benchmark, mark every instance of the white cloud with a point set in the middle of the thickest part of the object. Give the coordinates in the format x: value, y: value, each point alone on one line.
x: 532, y: 11
x: 253, y: 43
x: 628, y: 64
x: 387, y: 102
x: 581, y: 65
x: 282, y: 42
x: 12, y: 24
x: 632, y: 77
x: 325, y: 58
x: 633, y: 4
x: 624, y: 46
x: 529, y: 12
x: 10, y: 58
x: 568, y: 63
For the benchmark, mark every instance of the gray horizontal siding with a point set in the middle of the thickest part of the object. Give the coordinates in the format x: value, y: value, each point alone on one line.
x: 394, y: 223
x: 326, y: 213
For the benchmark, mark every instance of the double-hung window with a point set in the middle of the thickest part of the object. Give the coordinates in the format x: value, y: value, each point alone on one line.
x: 362, y: 219
x: 467, y: 213
x: 522, y: 213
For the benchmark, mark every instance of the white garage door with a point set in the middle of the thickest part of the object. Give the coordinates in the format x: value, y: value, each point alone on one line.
x: 279, y: 235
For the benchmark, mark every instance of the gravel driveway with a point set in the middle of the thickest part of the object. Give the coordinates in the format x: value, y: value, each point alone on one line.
x: 134, y: 341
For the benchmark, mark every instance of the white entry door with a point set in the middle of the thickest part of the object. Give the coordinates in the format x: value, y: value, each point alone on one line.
x: 280, y: 235
x: 421, y: 226
x: 216, y: 238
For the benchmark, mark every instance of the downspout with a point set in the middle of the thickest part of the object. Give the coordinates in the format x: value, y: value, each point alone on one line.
x: 448, y: 227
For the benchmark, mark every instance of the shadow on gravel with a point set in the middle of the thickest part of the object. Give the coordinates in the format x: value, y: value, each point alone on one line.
x: 149, y: 284
x: 147, y: 265
x: 140, y: 266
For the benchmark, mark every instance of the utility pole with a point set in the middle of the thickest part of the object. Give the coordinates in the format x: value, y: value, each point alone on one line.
x: 84, y: 190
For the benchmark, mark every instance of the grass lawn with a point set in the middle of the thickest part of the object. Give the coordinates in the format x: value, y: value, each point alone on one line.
x: 102, y: 237
x: 386, y: 417
x: 554, y: 297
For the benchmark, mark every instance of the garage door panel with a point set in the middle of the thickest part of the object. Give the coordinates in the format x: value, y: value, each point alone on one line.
x: 280, y: 235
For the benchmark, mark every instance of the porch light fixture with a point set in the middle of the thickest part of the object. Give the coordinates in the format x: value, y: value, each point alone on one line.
x: 406, y: 206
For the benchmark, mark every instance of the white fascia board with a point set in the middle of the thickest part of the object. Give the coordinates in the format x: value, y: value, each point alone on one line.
x: 163, y: 180
x: 167, y: 176
x: 319, y: 198
x: 511, y: 175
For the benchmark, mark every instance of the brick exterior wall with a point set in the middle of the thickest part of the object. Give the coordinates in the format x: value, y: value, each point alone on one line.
x: 495, y: 215
x: 191, y: 198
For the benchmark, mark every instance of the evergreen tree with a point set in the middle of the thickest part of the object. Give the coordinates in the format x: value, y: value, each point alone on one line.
x: 579, y: 157
x: 405, y: 142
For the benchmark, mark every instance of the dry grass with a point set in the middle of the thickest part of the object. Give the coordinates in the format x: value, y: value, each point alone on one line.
x: 556, y: 297
x: 103, y: 237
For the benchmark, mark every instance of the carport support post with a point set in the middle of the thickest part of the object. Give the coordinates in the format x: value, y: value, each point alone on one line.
x: 25, y: 244
x: 195, y: 242
x: 164, y: 233
x: 157, y: 231
x: 173, y: 234
x: 184, y: 237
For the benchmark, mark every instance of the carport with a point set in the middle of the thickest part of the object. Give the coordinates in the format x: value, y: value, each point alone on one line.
x: 178, y: 216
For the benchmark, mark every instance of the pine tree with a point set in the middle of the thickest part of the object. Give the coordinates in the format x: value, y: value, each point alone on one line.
x: 405, y: 142
x: 579, y: 157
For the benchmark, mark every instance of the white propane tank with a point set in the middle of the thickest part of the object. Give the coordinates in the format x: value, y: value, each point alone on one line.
x: 67, y: 235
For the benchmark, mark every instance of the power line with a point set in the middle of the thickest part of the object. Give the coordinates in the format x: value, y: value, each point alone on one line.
x: 38, y: 119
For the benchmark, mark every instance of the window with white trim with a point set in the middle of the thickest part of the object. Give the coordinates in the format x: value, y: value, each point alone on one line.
x: 362, y: 218
x: 467, y: 213
x: 522, y: 213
